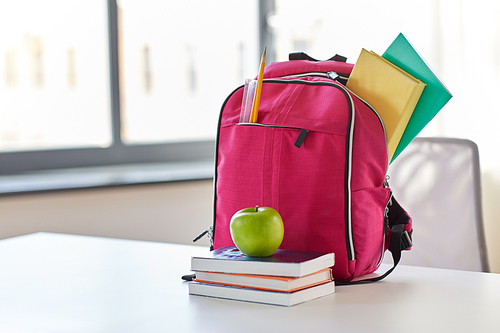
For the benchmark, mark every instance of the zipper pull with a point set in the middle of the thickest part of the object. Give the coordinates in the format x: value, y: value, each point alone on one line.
x: 197, y: 238
x: 301, y: 138
x: 386, y: 220
x: 386, y: 212
x: 332, y: 75
x: 386, y: 181
x: 207, y: 232
x: 386, y: 185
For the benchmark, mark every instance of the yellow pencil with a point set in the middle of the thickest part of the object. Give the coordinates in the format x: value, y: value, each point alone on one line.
x: 258, y: 89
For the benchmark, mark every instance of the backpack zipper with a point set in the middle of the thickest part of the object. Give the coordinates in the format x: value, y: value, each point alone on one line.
x: 350, y: 245
x: 300, y: 138
x: 386, y: 222
x: 351, y: 254
x: 327, y: 75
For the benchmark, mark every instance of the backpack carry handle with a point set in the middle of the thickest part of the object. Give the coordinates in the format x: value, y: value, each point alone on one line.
x: 304, y: 56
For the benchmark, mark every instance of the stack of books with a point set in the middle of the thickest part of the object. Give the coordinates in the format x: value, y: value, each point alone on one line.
x: 402, y: 88
x: 286, y: 278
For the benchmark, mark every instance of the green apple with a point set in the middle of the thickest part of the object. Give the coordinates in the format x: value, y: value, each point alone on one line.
x: 257, y: 232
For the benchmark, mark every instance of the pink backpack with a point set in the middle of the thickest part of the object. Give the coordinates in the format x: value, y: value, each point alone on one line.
x: 318, y: 155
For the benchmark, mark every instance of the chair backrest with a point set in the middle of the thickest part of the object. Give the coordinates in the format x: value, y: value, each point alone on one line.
x: 437, y: 180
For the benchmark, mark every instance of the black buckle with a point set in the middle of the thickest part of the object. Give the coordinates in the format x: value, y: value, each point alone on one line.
x: 406, y: 241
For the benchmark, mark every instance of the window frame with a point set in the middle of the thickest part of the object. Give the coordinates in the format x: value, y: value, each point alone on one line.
x: 19, y: 162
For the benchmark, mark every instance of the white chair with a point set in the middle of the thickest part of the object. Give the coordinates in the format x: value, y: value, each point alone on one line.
x: 437, y: 181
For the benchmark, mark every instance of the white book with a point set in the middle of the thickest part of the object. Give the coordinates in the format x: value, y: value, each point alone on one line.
x: 261, y: 296
x: 275, y: 283
x: 282, y: 263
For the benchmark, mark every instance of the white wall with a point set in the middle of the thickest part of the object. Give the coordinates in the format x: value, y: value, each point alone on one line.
x: 171, y: 212
x: 491, y: 216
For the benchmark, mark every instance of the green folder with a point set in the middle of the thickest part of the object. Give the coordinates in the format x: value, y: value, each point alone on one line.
x: 435, y: 95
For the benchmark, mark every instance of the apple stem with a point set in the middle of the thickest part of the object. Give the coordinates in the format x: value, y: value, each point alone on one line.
x: 256, y: 208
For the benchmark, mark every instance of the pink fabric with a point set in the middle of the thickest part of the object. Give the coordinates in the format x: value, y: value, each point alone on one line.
x: 258, y: 165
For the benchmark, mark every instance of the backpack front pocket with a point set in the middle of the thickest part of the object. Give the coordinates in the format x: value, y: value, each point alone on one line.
x: 264, y: 166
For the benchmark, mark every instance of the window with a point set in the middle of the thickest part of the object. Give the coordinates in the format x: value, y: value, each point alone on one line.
x: 105, y: 82
x: 55, y: 88
x: 101, y: 82
x: 179, y: 61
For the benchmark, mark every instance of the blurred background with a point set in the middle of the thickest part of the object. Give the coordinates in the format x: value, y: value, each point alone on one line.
x: 104, y: 82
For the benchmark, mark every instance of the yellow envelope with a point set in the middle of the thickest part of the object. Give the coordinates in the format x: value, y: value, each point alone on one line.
x: 387, y: 88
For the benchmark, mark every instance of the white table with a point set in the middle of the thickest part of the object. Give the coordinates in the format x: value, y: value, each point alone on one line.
x: 65, y: 283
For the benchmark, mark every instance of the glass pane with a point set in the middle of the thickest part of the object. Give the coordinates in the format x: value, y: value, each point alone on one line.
x: 54, y: 74
x: 179, y: 61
